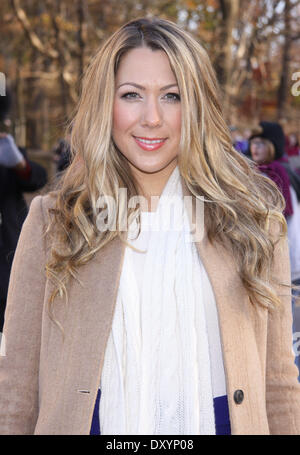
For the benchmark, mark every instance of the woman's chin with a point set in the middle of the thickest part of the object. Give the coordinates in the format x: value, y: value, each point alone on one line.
x: 151, y: 168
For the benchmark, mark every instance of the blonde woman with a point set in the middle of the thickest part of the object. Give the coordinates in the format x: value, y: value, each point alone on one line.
x: 150, y: 292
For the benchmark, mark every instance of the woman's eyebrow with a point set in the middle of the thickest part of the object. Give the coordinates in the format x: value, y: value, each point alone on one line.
x: 143, y: 88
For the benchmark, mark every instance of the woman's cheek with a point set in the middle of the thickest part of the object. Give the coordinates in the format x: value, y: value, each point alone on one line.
x: 124, y: 116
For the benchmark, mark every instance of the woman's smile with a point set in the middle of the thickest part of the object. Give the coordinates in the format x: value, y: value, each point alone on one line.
x: 149, y: 144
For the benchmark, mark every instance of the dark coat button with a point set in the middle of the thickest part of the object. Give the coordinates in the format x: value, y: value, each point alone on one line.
x: 238, y: 396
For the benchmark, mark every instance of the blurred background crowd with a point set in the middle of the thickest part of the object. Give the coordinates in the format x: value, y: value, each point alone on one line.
x: 45, y: 47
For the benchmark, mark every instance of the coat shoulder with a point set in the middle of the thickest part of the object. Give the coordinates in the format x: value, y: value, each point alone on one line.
x: 46, y: 202
x: 40, y: 209
x: 49, y: 200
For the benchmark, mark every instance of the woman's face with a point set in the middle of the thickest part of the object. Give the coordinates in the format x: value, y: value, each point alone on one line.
x: 147, y: 108
x: 259, y: 150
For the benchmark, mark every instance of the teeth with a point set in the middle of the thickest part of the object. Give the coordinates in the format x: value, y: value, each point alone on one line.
x: 145, y: 141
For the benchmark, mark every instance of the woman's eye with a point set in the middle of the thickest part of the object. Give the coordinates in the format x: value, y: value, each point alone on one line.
x: 175, y: 96
x: 126, y: 95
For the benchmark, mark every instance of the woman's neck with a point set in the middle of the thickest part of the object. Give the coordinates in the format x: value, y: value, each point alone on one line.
x: 151, y: 185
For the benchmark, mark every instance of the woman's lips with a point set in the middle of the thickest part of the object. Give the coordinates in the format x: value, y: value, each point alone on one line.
x: 149, y: 147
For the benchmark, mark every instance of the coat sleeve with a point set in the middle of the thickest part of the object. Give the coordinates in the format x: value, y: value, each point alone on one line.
x: 20, y: 349
x: 282, y: 387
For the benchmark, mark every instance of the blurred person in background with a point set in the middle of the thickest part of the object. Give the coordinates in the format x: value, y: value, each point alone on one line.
x: 62, y: 155
x: 18, y: 174
x: 267, y: 149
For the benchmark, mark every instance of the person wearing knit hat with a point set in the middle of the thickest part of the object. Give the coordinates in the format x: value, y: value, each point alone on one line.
x: 266, y: 148
x: 271, y: 132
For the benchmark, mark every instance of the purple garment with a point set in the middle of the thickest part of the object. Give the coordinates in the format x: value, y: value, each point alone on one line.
x: 276, y: 172
x: 241, y: 146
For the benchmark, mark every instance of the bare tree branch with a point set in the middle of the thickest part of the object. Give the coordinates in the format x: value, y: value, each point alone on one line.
x: 32, y: 36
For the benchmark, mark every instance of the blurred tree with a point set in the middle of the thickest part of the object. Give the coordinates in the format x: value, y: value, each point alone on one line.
x: 46, y: 46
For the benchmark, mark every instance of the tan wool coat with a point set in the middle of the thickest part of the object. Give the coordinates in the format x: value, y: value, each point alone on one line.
x: 48, y: 385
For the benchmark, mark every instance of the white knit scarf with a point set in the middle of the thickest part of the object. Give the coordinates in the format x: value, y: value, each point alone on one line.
x: 156, y: 377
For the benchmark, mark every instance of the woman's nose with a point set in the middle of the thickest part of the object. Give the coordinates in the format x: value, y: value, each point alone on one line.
x: 152, y: 115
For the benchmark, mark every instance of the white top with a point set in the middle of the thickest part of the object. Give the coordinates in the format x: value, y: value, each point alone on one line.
x: 149, y: 222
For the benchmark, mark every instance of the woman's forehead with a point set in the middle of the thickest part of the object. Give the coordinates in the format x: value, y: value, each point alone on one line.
x: 146, y: 68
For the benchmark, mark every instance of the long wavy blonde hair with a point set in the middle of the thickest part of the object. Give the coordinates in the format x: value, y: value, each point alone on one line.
x: 240, y: 202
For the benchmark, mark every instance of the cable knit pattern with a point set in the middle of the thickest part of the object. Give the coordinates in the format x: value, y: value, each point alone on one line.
x: 157, y: 373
